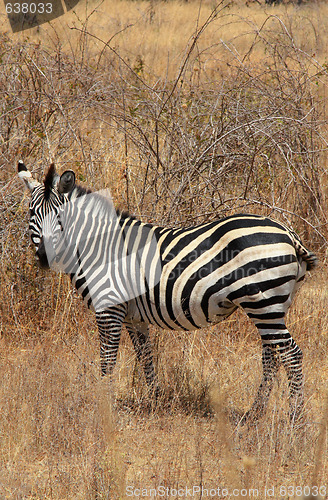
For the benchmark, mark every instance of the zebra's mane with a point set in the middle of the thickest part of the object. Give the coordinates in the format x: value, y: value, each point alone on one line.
x: 124, y: 214
x: 99, y: 201
x: 80, y: 191
x: 76, y: 192
x: 49, y: 180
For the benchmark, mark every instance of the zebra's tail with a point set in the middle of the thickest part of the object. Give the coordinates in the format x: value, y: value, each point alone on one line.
x: 304, y: 254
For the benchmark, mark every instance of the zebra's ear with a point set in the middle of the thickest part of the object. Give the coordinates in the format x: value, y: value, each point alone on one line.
x: 26, y: 176
x: 66, y: 182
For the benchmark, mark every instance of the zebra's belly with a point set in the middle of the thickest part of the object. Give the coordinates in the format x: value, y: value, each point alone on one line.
x: 178, y: 316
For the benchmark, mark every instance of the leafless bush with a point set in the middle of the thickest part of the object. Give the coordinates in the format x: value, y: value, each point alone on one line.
x: 204, y: 146
x: 188, y: 150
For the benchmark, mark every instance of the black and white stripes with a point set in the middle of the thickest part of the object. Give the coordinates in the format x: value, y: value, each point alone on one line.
x: 138, y: 274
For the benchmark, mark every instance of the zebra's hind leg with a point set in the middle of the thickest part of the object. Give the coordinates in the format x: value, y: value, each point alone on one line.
x: 279, y: 347
x: 270, y: 364
x: 109, y: 324
x: 291, y: 357
x: 139, y: 335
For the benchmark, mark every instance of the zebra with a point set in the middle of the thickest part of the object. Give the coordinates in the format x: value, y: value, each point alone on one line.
x: 190, y: 277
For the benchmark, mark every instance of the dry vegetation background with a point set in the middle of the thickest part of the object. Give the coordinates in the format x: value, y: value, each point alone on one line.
x: 188, y: 112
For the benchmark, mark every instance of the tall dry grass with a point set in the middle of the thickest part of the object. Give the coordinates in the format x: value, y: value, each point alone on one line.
x: 186, y: 117
x: 66, y: 434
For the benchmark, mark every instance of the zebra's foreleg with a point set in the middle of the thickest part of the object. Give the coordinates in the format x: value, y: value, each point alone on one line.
x: 291, y: 357
x: 270, y: 364
x: 141, y: 342
x: 109, y: 324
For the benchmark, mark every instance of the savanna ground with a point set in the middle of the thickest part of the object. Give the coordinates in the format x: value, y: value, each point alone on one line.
x: 188, y: 112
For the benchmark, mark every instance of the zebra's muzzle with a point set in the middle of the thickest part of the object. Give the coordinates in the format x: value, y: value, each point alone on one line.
x: 41, y: 255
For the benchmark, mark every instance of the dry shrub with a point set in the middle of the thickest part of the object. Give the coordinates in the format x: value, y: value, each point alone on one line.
x: 202, y: 145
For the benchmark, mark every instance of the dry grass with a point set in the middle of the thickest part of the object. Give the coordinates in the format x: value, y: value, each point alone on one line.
x: 64, y: 432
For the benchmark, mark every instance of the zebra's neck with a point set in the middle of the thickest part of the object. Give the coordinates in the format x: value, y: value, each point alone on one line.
x: 103, y: 251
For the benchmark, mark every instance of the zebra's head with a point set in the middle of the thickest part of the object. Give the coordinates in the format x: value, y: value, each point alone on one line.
x: 80, y: 232
x: 47, y: 197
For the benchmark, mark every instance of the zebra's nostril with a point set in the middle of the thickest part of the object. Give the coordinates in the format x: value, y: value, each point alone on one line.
x: 41, y: 255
